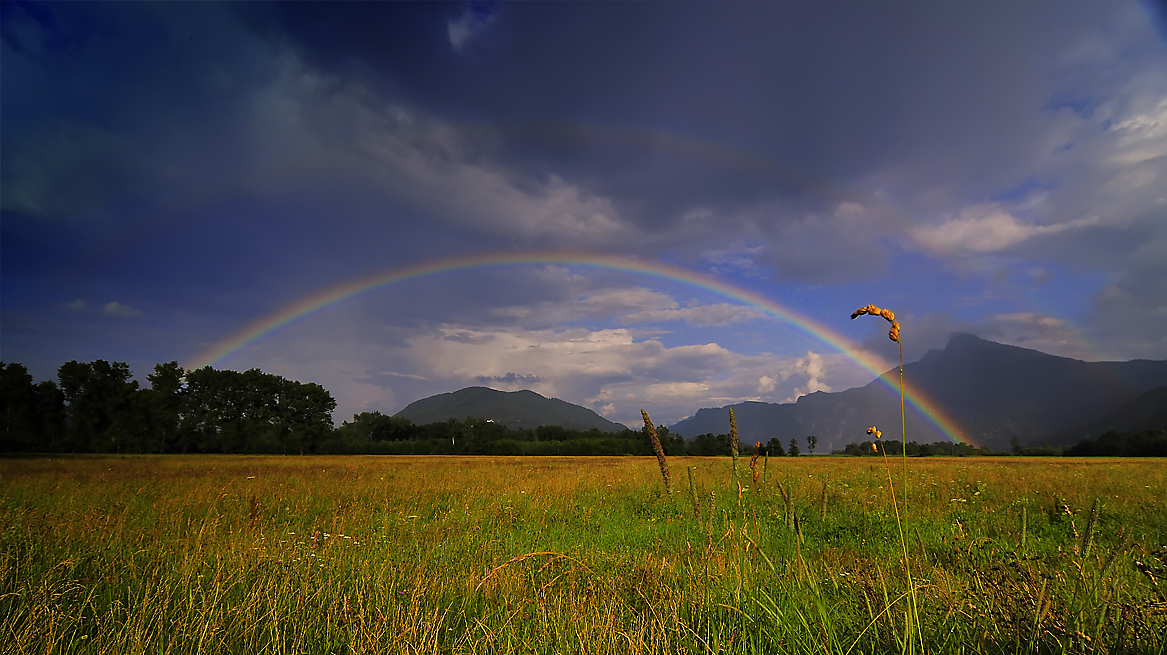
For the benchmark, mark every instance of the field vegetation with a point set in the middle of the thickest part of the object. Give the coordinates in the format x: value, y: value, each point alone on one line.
x: 405, y: 554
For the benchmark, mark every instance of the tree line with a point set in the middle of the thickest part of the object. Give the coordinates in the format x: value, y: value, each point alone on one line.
x: 97, y: 407
x: 896, y: 449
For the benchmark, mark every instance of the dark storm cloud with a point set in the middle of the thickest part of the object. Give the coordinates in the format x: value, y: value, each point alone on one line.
x: 188, y: 168
x: 736, y: 125
x: 692, y: 122
x: 865, y: 88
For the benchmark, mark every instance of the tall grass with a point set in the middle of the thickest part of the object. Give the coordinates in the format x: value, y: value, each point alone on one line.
x: 493, y: 555
x: 913, y: 636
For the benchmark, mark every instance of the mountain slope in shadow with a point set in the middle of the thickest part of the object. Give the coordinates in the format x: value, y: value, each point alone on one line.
x: 991, y: 392
x: 514, y: 409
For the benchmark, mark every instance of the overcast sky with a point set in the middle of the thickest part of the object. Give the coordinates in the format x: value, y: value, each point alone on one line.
x: 173, y: 173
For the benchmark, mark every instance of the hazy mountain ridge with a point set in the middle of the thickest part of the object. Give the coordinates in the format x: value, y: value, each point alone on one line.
x: 514, y: 409
x: 993, y: 392
x: 1139, y: 415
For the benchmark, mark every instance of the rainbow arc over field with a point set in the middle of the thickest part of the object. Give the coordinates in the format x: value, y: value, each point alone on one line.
x: 346, y: 290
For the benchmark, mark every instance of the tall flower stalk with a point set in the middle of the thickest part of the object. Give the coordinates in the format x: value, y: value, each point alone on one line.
x: 734, y: 445
x: 659, y: 452
x: 894, y: 335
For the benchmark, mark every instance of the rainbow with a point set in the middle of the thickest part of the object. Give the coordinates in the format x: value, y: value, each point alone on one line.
x: 339, y: 293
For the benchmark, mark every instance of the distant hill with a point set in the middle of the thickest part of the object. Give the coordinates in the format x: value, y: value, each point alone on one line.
x: 514, y: 409
x: 994, y: 392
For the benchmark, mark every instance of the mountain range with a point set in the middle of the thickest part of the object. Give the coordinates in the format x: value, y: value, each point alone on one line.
x: 993, y: 393
x: 514, y: 409
x: 989, y: 392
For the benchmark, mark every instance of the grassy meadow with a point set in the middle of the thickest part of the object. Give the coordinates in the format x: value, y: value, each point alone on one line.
x: 239, y: 554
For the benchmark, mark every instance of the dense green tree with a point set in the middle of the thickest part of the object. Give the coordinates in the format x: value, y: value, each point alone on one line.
x: 51, y: 416
x: 811, y: 443
x: 19, y: 404
x: 163, y: 405
x: 673, y: 444
x: 232, y: 412
x: 708, y: 445
x: 794, y: 451
x: 892, y: 448
x: 551, y: 433
x: 375, y: 426
x: 774, y: 448
x: 1150, y: 443
x: 102, y: 414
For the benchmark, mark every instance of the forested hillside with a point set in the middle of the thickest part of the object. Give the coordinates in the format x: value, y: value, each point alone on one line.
x: 514, y: 409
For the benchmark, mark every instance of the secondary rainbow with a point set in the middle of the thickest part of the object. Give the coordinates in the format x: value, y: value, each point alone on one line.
x: 346, y: 290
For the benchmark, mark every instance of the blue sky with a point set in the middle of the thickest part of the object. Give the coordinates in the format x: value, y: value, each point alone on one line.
x: 172, y: 173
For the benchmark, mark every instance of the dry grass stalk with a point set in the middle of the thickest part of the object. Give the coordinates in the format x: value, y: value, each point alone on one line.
x: 823, y: 507
x: 789, y: 501
x: 1150, y: 575
x: 519, y: 558
x: 660, y: 453
x: 1070, y: 513
x: 1117, y: 549
x: 734, y: 444
x: 709, y: 512
x: 912, y: 618
x: 253, y: 511
x: 1024, y: 527
x: 894, y: 335
x: 754, y: 463
x: 1091, y: 524
x: 693, y: 494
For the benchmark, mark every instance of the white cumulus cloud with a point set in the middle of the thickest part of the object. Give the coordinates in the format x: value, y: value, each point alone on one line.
x: 812, y: 367
x: 987, y: 229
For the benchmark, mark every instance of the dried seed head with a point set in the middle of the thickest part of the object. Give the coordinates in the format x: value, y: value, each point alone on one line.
x: 887, y: 314
x: 648, y: 422
x: 658, y: 451
x: 870, y: 309
x: 874, y: 448
x: 734, y: 444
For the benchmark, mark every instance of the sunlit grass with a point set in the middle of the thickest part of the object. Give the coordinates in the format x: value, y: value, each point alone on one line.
x: 426, y: 554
